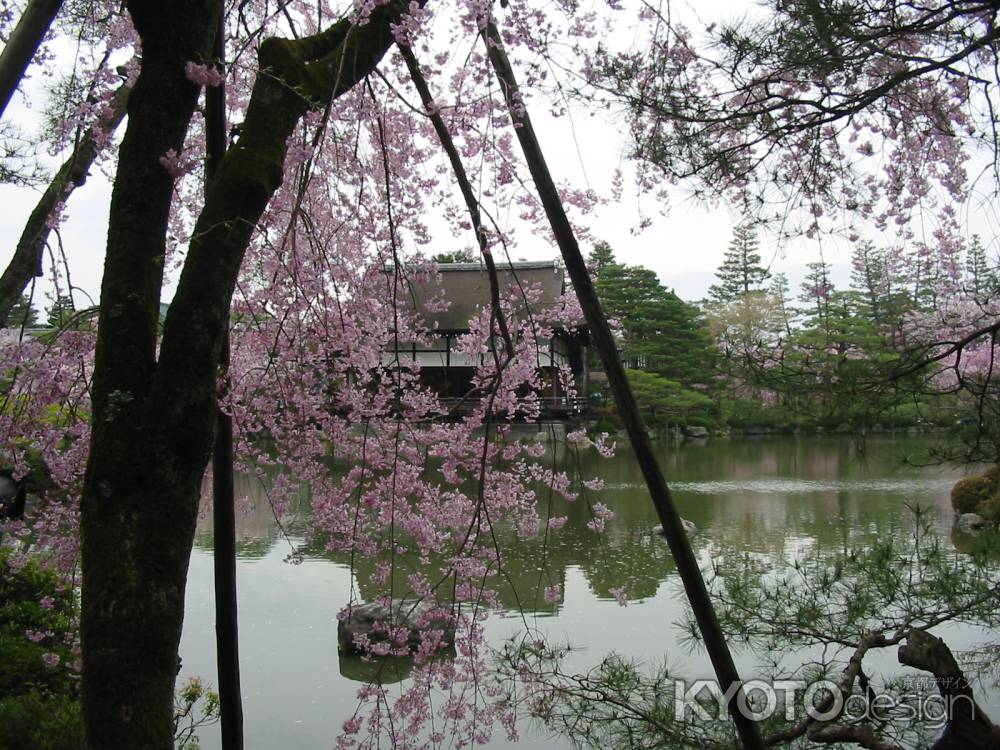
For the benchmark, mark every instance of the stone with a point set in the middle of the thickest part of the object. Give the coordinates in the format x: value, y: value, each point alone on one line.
x: 689, y: 528
x: 695, y: 431
x: 370, y: 620
x: 970, y: 522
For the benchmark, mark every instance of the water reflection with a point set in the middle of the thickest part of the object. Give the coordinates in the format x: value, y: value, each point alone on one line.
x: 773, y: 498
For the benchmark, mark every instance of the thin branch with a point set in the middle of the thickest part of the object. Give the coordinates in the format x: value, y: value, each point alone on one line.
x: 467, y: 193
x: 27, y: 259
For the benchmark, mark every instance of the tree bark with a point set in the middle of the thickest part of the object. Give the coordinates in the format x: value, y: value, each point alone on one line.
x: 968, y: 727
x: 27, y: 259
x: 153, y: 420
x: 136, y: 530
x: 22, y: 45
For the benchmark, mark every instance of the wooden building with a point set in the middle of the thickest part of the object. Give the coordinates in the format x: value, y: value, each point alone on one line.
x: 466, y: 287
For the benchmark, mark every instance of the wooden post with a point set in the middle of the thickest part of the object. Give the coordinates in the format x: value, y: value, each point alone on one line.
x: 687, y: 565
x: 223, y: 502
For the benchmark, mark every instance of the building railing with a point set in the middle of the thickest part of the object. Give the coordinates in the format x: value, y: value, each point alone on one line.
x: 551, y: 406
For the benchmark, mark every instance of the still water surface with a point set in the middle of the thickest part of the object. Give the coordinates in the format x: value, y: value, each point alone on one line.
x: 773, y: 497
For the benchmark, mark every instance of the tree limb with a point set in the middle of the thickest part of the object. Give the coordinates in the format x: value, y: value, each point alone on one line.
x: 464, y: 185
x: 968, y: 728
x: 23, y: 44
x: 27, y: 259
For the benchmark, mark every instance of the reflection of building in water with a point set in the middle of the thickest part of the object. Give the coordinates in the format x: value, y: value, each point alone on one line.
x: 819, y: 498
x: 257, y: 530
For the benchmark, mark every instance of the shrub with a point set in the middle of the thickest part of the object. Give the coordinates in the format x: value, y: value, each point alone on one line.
x: 40, y: 722
x: 970, y: 493
x: 990, y: 510
x: 37, y: 631
x: 38, y: 683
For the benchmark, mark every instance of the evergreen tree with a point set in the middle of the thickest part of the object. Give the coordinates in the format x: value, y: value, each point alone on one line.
x: 602, y: 255
x: 869, y: 278
x: 22, y: 314
x: 924, y: 276
x: 741, y: 272
x: 816, y: 293
x: 981, y: 280
x: 60, y: 311
x: 878, y: 294
x: 660, y: 332
x: 779, y: 295
x: 456, y: 256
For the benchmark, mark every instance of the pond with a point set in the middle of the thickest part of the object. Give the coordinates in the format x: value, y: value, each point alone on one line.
x: 773, y: 497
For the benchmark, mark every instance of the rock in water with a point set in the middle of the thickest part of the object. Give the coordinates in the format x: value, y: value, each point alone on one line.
x: 970, y: 522
x: 408, y: 620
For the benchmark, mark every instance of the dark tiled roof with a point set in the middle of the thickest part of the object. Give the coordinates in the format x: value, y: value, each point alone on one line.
x: 467, y: 287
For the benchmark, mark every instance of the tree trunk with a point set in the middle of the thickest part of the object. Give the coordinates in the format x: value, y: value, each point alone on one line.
x: 142, y: 482
x: 153, y: 420
x: 968, y: 727
x: 22, y: 45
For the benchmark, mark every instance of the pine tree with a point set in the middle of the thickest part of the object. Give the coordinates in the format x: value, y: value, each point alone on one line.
x: 779, y: 295
x: 980, y: 275
x: 22, y: 314
x: 878, y: 295
x: 660, y: 332
x: 60, y: 311
x: 869, y: 278
x: 602, y: 255
x: 816, y: 293
x: 924, y: 276
x: 741, y: 272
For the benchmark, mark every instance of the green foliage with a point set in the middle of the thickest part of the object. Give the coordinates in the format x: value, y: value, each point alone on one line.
x: 834, y: 363
x: 61, y: 311
x: 660, y: 333
x: 40, y: 722
x: 990, y: 508
x: 981, y: 277
x: 455, y: 256
x: 38, y: 682
x: 838, y: 608
x: 22, y: 314
x: 741, y: 272
x: 195, y: 706
x: 665, y: 401
x: 37, y: 618
x: 753, y: 414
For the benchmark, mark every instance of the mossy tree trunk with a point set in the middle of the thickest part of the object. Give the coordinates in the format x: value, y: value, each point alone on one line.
x: 153, y: 419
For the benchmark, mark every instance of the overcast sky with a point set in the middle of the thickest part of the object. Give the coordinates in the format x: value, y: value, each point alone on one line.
x: 684, y: 247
